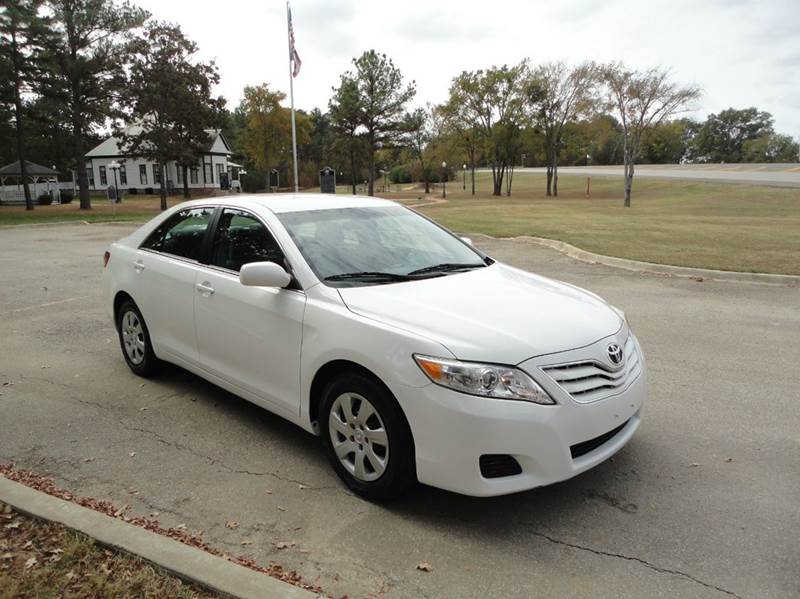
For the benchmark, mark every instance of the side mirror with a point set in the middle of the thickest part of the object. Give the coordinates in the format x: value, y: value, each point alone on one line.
x: 264, y: 274
x: 467, y: 240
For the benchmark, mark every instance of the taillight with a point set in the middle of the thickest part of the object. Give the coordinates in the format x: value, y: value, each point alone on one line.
x: 106, y: 256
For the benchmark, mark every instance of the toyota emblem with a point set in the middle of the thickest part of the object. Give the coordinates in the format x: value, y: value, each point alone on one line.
x: 615, y: 354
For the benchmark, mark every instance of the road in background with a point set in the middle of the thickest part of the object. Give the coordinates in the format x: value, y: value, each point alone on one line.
x: 776, y: 175
x: 702, y: 503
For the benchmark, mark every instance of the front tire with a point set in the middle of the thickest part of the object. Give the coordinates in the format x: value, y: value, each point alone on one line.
x: 134, y: 339
x: 367, y: 438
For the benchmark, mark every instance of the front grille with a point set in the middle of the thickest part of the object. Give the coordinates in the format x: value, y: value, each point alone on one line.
x: 585, y: 447
x: 589, y: 380
x: 496, y: 465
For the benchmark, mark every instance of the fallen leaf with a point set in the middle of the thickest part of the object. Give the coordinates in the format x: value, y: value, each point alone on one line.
x: 121, y: 511
x: 54, y: 551
x: 282, y: 509
x: 70, y: 575
x: 231, y: 524
x: 106, y: 570
x: 154, y: 514
x: 284, y: 544
x: 268, y: 492
x: 142, y: 409
x: 244, y: 543
x: 6, y: 556
x: 28, y: 545
x: 302, y: 487
x: 31, y: 563
x: 425, y: 567
x: 728, y: 460
x: 12, y: 525
x: 87, y: 460
x: 693, y: 465
x: 132, y: 454
x: 181, y: 526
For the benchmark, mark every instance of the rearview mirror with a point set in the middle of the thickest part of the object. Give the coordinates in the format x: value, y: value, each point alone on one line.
x: 467, y: 240
x: 264, y: 274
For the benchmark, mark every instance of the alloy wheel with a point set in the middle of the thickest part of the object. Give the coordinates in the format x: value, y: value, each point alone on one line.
x: 133, y: 337
x: 358, y: 436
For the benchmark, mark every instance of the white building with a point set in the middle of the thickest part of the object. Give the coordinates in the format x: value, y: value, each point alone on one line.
x: 136, y: 173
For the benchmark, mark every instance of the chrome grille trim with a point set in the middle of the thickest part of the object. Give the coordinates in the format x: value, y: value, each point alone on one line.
x: 589, y: 380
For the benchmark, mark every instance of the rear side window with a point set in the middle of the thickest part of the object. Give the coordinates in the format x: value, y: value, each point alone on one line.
x: 182, y: 234
x: 240, y: 239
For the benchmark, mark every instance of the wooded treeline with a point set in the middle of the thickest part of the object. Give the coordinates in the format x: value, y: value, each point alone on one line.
x: 71, y: 71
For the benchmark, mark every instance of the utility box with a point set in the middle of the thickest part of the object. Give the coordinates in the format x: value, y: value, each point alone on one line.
x: 327, y: 180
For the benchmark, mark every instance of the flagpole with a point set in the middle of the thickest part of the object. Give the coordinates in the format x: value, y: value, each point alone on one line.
x: 291, y: 95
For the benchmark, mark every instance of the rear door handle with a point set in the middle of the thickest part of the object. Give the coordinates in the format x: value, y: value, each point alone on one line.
x: 205, y: 288
x: 138, y: 266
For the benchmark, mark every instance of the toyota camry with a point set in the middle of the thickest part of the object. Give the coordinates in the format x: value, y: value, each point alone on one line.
x: 410, y: 353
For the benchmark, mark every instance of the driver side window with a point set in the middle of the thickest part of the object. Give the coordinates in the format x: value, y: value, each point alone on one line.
x: 241, y: 238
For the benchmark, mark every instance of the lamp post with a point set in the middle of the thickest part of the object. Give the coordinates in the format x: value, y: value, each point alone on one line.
x: 464, y: 171
x: 444, y: 180
x: 114, y: 166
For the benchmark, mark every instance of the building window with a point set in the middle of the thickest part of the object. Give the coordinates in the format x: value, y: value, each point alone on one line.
x: 208, y: 173
x: 90, y: 175
x: 103, y: 178
x: 179, y: 173
x: 193, y: 175
x: 156, y: 174
x: 123, y: 175
x: 143, y: 174
x: 220, y: 169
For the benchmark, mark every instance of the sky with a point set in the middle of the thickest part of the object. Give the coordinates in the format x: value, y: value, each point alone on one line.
x: 741, y: 53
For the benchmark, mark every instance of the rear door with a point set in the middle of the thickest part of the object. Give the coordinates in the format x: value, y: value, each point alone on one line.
x: 166, y: 266
x: 250, y: 336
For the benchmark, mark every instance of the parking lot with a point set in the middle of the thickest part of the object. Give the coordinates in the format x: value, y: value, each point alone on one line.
x: 704, y: 502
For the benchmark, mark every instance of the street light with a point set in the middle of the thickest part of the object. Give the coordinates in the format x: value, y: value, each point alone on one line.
x: 444, y: 179
x: 114, y: 166
x: 464, y: 169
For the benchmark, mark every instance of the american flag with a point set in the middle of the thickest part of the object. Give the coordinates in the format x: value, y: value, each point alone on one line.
x: 293, y: 55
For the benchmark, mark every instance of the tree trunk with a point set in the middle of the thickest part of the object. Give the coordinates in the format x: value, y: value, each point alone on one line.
x: 371, y: 183
x: 23, y: 167
x: 627, y: 154
x: 509, y: 179
x: 497, y: 180
x: 549, y: 178
x: 425, y: 176
x: 555, y: 175
x: 80, y: 160
x: 473, y: 177
x: 353, y: 170
x: 163, y: 190
x: 185, y: 171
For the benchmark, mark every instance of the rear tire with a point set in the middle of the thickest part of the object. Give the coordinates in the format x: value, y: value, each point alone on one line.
x: 367, y: 438
x: 134, y: 339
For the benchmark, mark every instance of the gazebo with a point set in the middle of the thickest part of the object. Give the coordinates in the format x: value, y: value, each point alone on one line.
x: 36, y: 173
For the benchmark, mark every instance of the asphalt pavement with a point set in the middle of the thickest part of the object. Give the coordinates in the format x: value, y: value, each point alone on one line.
x: 702, y: 503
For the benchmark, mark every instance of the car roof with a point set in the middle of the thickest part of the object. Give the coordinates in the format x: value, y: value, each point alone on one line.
x: 293, y: 202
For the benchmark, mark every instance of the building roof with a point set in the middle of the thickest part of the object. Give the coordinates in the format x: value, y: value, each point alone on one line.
x: 34, y: 170
x: 109, y: 147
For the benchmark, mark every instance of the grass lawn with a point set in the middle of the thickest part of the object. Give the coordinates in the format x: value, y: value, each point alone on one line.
x: 706, y: 225
x: 131, y: 208
x: 39, y: 560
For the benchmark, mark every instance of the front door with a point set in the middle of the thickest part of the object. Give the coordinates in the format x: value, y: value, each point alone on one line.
x: 249, y: 336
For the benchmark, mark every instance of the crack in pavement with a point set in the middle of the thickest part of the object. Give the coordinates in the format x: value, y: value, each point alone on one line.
x: 631, y: 558
x: 215, y: 462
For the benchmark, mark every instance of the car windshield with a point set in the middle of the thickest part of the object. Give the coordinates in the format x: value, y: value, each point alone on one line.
x: 375, y: 245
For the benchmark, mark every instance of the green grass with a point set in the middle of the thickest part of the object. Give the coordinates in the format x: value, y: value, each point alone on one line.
x: 706, y: 225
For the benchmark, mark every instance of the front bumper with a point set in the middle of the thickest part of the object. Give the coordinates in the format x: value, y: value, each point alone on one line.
x: 452, y: 430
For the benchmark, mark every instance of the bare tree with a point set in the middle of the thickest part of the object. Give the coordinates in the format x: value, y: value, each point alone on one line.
x: 423, y: 131
x: 561, y: 94
x: 642, y: 100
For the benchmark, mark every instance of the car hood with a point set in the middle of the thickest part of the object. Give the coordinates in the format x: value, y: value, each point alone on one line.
x: 494, y: 314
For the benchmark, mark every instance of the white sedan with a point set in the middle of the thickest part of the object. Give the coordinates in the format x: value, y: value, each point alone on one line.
x: 414, y: 356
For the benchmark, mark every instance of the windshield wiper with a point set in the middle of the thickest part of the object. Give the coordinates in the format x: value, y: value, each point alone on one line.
x: 367, y: 276
x: 445, y: 267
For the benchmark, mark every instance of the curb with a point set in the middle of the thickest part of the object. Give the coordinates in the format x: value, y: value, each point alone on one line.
x: 652, y: 267
x: 188, y: 563
x: 75, y: 222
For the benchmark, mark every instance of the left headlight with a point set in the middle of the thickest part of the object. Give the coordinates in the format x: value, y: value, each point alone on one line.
x: 485, y: 380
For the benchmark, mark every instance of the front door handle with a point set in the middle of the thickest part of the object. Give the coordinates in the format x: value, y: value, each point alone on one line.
x: 205, y: 288
x: 138, y: 266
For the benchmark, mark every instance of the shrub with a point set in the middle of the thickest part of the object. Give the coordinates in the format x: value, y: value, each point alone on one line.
x: 66, y: 196
x: 44, y: 199
x: 400, y: 174
x: 148, y: 190
x: 133, y: 191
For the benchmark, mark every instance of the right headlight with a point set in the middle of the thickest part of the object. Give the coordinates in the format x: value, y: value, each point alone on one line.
x: 485, y: 380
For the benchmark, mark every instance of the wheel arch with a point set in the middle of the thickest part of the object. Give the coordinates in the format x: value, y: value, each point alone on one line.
x: 333, y: 368
x: 119, y: 298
